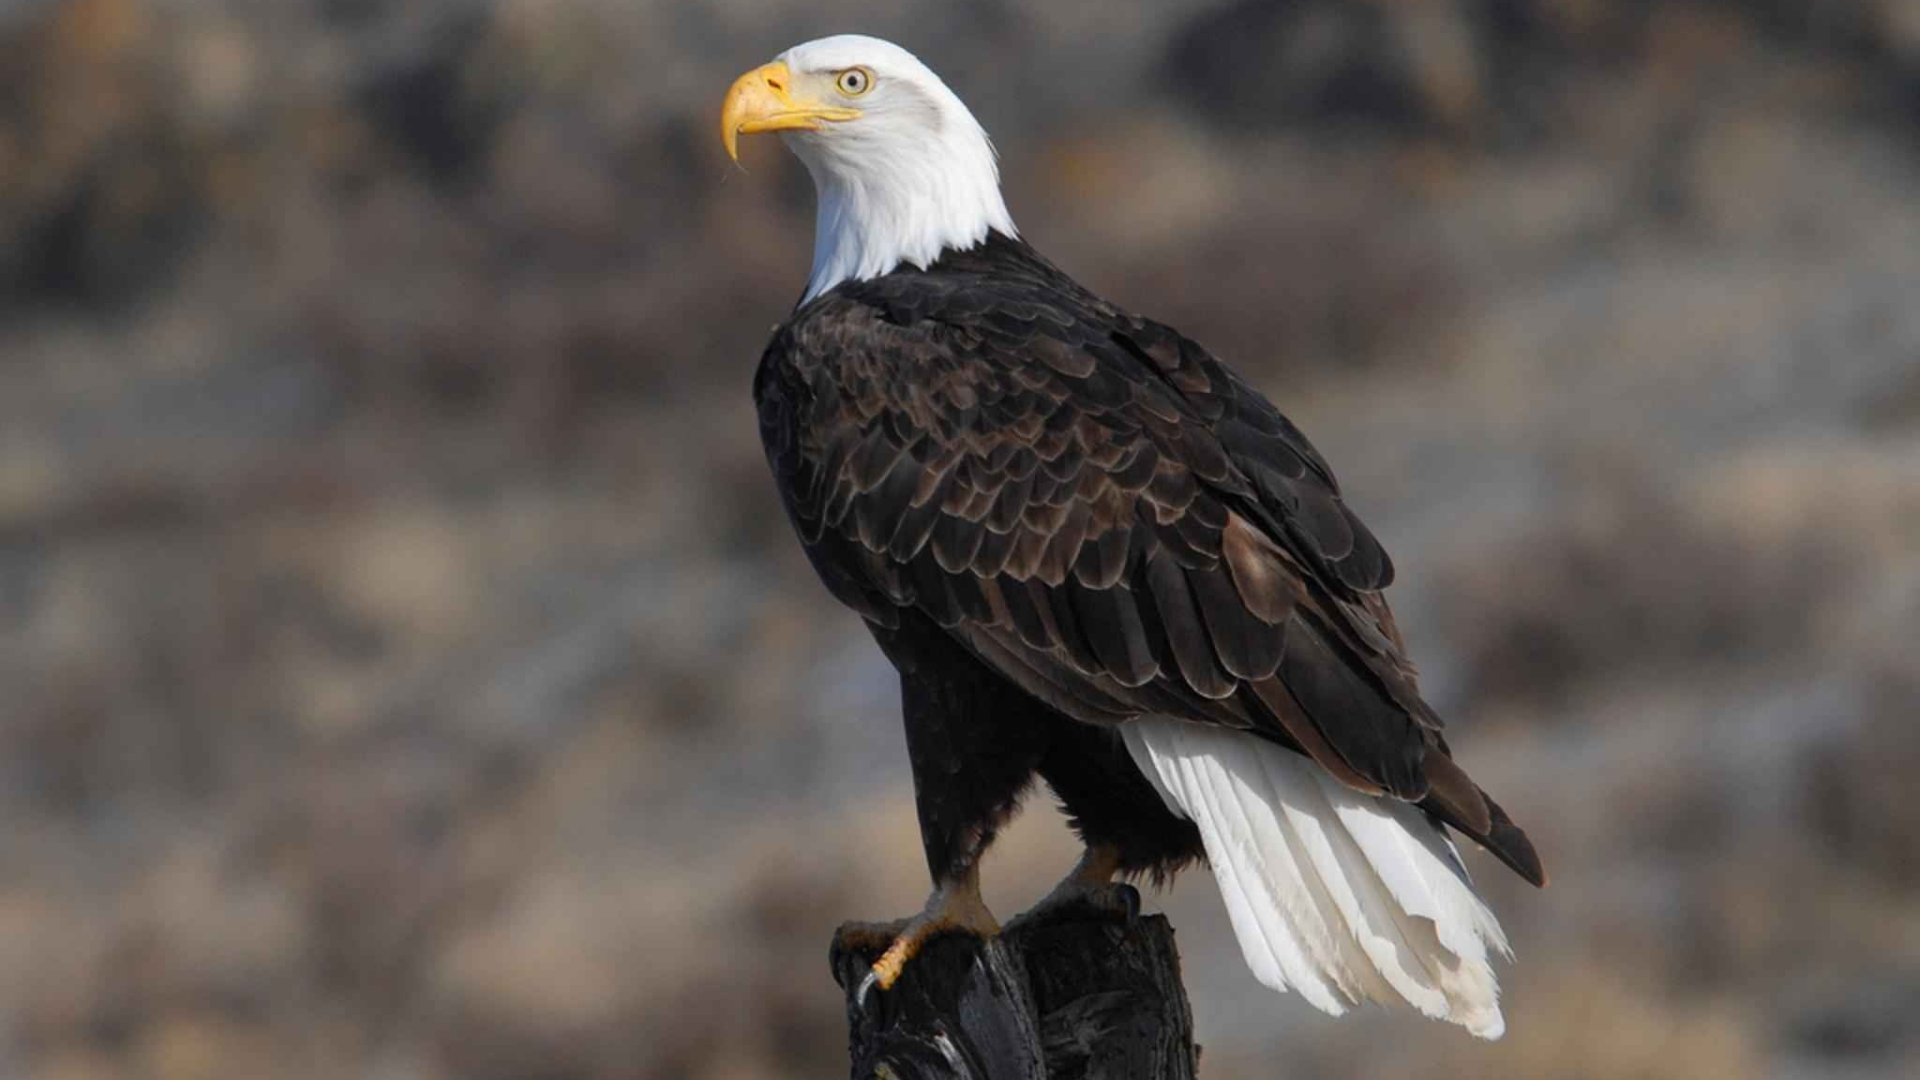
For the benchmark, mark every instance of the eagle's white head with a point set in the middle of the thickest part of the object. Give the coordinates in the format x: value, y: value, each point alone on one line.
x: 902, y: 169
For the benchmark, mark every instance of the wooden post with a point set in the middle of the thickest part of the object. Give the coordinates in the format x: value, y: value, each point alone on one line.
x: 1070, y: 995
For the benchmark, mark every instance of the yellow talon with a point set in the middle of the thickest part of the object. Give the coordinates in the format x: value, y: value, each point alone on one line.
x: 955, y: 906
x: 887, y: 969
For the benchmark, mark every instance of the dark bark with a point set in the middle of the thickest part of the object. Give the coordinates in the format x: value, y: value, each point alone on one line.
x: 1072, y: 995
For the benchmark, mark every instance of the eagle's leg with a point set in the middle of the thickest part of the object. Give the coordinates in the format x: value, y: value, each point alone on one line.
x: 973, y: 740
x: 954, y: 905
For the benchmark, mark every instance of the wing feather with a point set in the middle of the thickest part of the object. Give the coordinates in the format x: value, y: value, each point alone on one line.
x: 1106, y: 514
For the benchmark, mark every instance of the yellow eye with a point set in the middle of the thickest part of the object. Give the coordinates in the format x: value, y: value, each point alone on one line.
x: 854, y: 81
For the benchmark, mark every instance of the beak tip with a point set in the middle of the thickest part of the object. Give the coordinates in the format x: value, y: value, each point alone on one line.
x: 730, y: 110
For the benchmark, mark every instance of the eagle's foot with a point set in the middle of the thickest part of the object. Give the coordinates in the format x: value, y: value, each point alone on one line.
x: 955, y: 906
x: 1090, y: 885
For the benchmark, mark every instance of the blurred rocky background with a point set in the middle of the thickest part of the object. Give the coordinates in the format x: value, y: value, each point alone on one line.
x: 406, y: 672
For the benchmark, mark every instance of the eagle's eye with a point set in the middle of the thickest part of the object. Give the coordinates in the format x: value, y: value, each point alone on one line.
x: 854, y: 81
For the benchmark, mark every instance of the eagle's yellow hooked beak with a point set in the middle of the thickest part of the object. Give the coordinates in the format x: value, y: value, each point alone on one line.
x: 764, y: 99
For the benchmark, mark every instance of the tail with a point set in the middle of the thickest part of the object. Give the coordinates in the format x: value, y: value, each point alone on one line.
x: 1343, y: 896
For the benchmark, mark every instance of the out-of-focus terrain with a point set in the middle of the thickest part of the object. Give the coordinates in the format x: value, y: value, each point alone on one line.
x: 406, y: 672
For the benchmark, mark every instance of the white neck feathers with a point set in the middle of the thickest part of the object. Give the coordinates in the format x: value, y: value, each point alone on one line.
x: 903, y: 211
x: 914, y: 175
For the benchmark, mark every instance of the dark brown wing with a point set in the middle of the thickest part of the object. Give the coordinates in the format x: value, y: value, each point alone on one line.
x: 1102, y: 512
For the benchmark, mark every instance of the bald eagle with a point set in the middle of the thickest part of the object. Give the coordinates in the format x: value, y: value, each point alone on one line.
x: 1098, y: 555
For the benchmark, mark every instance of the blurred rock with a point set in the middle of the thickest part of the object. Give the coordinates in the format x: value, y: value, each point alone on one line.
x: 438, y: 104
x: 1856, y: 784
x: 1589, y: 601
x: 102, y: 190
x: 1327, y: 63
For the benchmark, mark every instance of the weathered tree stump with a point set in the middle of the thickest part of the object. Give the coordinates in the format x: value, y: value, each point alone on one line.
x: 1069, y: 995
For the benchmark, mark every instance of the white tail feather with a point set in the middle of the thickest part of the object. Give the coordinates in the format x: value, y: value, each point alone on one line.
x: 1342, y: 896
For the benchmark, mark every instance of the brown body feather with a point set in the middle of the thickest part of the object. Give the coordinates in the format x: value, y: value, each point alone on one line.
x: 984, y: 457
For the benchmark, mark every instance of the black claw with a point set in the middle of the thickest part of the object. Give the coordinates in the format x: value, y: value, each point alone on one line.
x: 866, y: 985
x: 1130, y: 897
